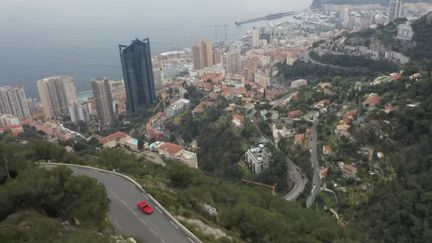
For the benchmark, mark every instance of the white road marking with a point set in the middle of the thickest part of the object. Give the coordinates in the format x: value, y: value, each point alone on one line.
x: 142, y: 221
x: 174, y: 225
x: 145, y: 196
x: 127, y: 206
x: 133, y: 212
x: 159, y: 210
x: 153, y: 231
x: 124, y: 203
x: 191, y: 240
x: 115, y: 195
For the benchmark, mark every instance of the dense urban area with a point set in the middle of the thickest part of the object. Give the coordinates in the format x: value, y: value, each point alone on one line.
x: 316, y: 127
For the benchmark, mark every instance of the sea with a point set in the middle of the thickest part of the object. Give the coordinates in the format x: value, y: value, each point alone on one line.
x: 80, y: 38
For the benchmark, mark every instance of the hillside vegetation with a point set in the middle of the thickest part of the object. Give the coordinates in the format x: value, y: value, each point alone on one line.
x: 40, y: 205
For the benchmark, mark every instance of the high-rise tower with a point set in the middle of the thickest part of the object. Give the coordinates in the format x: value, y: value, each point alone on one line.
x: 138, y: 74
x: 202, y: 54
x: 104, y: 101
x: 13, y: 101
x: 395, y: 9
x: 56, y: 95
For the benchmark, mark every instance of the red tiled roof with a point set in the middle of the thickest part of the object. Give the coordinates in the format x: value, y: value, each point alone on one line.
x: 372, y: 100
x: 294, y: 114
x: 349, y: 169
x: 327, y: 149
x: 237, y: 117
x: 323, y: 103
x: 298, y: 139
x: 113, y: 137
x: 14, y: 129
x: 171, y: 148
x: 349, y: 116
x: 395, y: 76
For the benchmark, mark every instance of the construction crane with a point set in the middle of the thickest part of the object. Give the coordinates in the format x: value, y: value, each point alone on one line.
x: 162, y: 101
x: 216, y: 26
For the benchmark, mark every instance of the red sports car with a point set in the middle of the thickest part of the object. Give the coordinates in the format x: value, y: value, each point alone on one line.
x: 145, y: 207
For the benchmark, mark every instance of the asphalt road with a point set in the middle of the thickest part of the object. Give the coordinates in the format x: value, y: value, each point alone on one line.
x: 316, y: 181
x: 127, y: 218
x: 307, y: 58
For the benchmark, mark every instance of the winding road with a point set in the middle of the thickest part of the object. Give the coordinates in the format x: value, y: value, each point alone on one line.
x: 294, y: 172
x: 316, y: 181
x: 126, y: 217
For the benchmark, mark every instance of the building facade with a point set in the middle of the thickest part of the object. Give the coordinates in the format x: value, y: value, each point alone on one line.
x: 177, y: 107
x: 257, y: 158
x: 104, y: 101
x: 118, y: 92
x: 13, y: 101
x: 8, y: 120
x: 232, y: 61
x: 138, y: 74
x: 202, y: 54
x: 256, y: 38
x: 56, y: 95
x: 79, y: 111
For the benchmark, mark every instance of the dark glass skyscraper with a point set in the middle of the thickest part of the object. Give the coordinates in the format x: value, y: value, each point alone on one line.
x: 138, y: 74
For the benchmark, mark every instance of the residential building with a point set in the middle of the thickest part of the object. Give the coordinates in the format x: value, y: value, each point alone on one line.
x: 322, y: 104
x: 237, y: 120
x: 257, y: 158
x: 177, y: 152
x: 118, y: 93
x: 256, y: 38
x: 35, y: 108
x: 202, y: 54
x: 8, y: 120
x: 404, y: 32
x: 104, y: 101
x: 372, y: 101
x: 262, y: 79
x: 346, y: 17
x: 349, y: 116
x: 13, y: 101
x: 15, y: 130
x: 298, y: 83
x: 397, y: 57
x: 177, y: 107
x: 299, y: 138
x: 55, y: 130
x: 327, y: 149
x: 395, y: 10
x: 56, y: 95
x: 114, y: 139
x: 79, y: 111
x: 348, y: 171
x: 294, y: 114
x: 218, y: 56
x: 231, y: 61
x: 138, y: 74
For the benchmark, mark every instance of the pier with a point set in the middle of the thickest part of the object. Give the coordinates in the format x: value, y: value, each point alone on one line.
x: 268, y: 17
